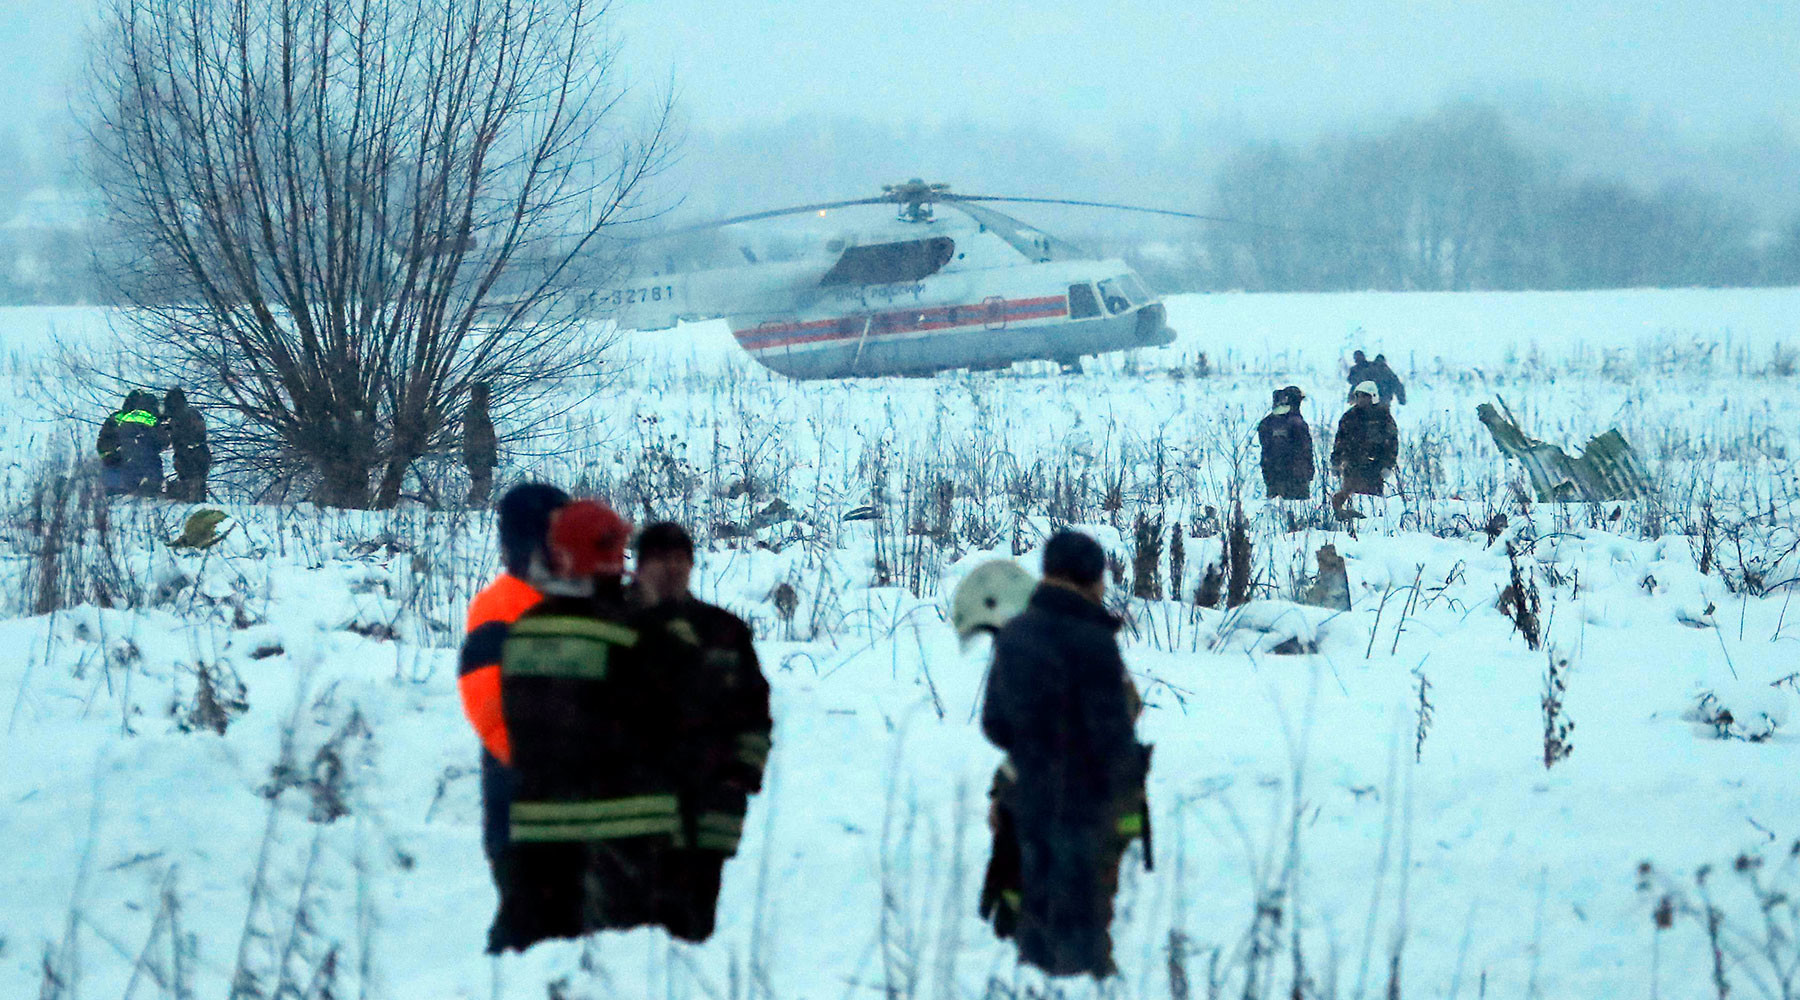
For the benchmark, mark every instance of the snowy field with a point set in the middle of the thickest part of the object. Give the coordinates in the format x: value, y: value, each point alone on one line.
x: 250, y: 764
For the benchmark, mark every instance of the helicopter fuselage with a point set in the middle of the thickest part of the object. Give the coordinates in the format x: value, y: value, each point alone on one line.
x: 1054, y: 311
x: 924, y: 296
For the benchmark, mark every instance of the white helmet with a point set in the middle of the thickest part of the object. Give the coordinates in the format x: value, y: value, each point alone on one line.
x: 990, y: 596
x: 1367, y: 388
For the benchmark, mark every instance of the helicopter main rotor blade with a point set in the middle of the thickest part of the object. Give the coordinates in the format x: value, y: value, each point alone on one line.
x: 1114, y: 206
x: 774, y: 213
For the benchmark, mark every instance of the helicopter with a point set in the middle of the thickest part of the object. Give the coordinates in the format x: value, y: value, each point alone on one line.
x: 976, y: 289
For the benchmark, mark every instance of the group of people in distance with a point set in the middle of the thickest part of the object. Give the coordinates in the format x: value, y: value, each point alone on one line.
x: 1365, y: 450
x: 133, y: 438
x: 623, y: 727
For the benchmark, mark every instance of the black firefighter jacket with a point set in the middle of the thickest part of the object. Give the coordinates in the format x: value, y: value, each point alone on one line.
x: 720, y: 748
x: 591, y: 721
x: 1058, y: 705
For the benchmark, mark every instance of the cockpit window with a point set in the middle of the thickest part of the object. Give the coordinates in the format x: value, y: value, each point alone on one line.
x: 1082, y: 304
x: 1114, y: 296
x: 1134, y: 289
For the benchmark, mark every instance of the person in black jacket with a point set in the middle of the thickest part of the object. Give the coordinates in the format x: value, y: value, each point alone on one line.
x: 480, y: 447
x: 186, y: 431
x: 130, y: 444
x: 1361, y: 370
x: 1388, y: 385
x: 1367, y: 445
x: 722, y: 736
x: 1062, y: 707
x: 590, y: 721
x: 1287, y: 449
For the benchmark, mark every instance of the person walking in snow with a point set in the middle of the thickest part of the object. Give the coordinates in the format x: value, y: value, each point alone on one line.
x: 722, y: 738
x: 1361, y: 370
x: 480, y: 446
x: 1060, y: 705
x: 1388, y: 385
x: 591, y: 716
x: 1367, y: 446
x: 1287, y: 448
x: 525, y: 513
x: 186, y: 432
x: 130, y: 444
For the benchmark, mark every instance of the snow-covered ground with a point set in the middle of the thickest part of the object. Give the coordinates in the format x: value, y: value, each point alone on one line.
x: 333, y: 823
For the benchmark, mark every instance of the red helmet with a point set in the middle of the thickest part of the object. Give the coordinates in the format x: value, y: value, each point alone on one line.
x: 587, y: 538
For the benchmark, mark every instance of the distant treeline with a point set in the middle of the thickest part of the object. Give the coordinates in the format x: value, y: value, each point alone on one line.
x: 1454, y: 202
x: 1457, y: 199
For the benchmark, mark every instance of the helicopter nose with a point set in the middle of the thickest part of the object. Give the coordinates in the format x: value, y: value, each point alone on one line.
x: 1152, y: 325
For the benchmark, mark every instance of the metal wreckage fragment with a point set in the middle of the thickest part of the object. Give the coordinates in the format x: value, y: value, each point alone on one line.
x: 1607, y: 469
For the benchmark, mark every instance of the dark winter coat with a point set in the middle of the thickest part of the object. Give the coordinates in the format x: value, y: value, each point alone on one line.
x: 1360, y: 372
x: 187, y: 438
x: 480, y: 446
x: 1386, y: 382
x: 1367, y: 446
x: 130, y: 444
x: 721, y: 746
x: 1058, y: 702
x: 590, y: 723
x: 1287, y: 455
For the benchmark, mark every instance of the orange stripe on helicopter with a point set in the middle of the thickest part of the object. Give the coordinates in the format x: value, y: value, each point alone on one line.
x: 883, y: 324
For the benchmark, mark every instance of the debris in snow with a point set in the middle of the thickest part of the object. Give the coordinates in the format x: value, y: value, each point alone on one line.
x: 1607, y: 469
x: 1331, y: 588
x: 201, y: 530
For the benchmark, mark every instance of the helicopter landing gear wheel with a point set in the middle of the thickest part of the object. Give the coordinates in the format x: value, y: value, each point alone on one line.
x: 1070, y: 366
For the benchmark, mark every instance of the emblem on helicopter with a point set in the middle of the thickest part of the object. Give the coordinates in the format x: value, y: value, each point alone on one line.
x: 973, y: 288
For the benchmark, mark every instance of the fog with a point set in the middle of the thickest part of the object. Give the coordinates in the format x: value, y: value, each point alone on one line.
x: 1134, y: 101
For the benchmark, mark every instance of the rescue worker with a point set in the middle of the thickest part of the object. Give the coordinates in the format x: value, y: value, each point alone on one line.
x: 1361, y: 370
x: 1388, y: 385
x: 480, y: 447
x: 130, y: 446
x: 186, y: 431
x: 722, y: 735
x: 1287, y: 449
x: 591, y: 721
x: 1367, y: 446
x: 525, y: 513
x: 1061, y: 706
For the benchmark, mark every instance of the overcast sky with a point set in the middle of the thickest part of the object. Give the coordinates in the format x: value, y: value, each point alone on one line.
x: 1087, y: 68
x: 1083, y: 65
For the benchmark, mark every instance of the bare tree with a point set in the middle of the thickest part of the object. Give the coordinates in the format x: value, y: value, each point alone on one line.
x: 333, y: 217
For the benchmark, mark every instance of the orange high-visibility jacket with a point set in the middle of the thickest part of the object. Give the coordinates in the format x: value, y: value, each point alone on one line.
x: 491, y: 615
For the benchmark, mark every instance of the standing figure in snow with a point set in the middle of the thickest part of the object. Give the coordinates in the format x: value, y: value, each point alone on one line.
x: 1061, y: 706
x: 525, y: 513
x: 1361, y: 370
x: 1367, y: 446
x: 1388, y: 386
x: 480, y: 447
x: 590, y: 714
x: 130, y: 445
x: 722, y: 726
x: 187, y: 439
x: 1287, y: 448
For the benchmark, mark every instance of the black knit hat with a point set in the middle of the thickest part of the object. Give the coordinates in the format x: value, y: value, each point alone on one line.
x: 1072, y: 556
x: 664, y: 538
x: 524, y: 522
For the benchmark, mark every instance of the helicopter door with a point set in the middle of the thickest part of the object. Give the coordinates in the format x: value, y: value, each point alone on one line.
x: 993, y: 312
